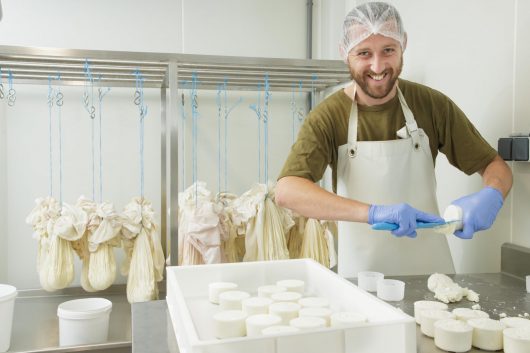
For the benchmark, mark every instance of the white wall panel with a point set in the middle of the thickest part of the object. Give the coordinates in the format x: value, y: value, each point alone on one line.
x: 128, y: 25
x: 273, y: 28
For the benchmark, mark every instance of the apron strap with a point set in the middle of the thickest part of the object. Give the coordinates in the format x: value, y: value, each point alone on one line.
x: 410, y: 122
x: 352, y: 126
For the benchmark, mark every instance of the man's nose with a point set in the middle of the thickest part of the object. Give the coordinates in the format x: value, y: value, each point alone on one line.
x: 377, y: 65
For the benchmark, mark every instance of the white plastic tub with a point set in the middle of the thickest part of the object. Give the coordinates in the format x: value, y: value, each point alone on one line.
x: 7, y: 305
x: 387, y: 330
x: 84, y: 321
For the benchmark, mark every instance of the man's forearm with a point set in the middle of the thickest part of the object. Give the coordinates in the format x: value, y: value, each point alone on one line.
x: 310, y: 200
x: 498, y: 175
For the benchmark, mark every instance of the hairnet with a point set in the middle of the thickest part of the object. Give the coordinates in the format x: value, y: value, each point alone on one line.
x: 367, y: 19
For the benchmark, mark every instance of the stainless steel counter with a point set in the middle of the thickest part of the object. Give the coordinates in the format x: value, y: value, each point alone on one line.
x: 36, y: 326
x: 499, y: 293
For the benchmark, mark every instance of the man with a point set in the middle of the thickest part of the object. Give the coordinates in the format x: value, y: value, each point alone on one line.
x: 381, y: 136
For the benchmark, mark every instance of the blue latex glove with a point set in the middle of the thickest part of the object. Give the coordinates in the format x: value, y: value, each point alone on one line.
x: 479, y: 211
x: 402, y: 214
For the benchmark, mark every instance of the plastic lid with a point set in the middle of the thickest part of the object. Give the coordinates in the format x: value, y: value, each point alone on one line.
x: 86, y: 308
x: 7, y: 292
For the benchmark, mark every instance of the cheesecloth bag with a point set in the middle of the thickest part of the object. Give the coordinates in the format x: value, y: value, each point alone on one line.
x: 201, y: 232
x: 102, y: 263
x: 42, y: 219
x: 68, y: 228
x: 144, y: 262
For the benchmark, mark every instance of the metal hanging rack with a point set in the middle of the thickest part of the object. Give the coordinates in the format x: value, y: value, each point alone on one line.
x: 165, y: 71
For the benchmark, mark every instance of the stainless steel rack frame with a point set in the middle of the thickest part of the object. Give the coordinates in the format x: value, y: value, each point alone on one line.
x: 167, y: 71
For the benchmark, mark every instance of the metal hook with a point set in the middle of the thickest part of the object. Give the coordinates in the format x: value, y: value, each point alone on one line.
x: 59, y: 97
x: 137, y: 97
x: 11, y: 97
x: 2, y: 91
x: 92, y: 112
x: 300, y: 114
x: 85, y: 99
x: 143, y: 112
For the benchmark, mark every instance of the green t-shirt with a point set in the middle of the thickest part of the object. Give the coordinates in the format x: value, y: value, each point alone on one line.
x: 326, y: 128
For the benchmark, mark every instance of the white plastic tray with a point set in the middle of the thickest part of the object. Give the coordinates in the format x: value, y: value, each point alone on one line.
x: 388, y: 330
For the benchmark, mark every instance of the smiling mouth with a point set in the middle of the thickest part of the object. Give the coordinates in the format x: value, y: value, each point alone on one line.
x: 377, y: 77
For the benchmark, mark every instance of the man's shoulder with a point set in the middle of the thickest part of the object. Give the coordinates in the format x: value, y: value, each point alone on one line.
x: 415, y: 90
x: 332, y: 105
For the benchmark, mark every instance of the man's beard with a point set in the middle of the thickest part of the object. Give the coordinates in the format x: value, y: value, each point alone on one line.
x: 382, y: 91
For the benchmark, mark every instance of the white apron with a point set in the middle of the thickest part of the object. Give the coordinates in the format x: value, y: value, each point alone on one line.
x: 385, y: 173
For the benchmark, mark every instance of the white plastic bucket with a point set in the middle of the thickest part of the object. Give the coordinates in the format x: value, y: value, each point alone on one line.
x: 7, y: 305
x: 84, y: 321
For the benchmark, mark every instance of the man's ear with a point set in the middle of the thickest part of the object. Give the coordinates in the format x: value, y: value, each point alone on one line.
x: 404, y: 41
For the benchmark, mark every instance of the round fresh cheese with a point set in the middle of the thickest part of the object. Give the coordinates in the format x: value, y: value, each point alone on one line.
x: 286, y: 310
x: 487, y: 333
x: 308, y: 323
x: 256, y: 305
x: 268, y: 290
x: 229, y: 324
x: 429, y: 317
x: 517, y: 340
x: 323, y: 313
x: 427, y: 305
x: 231, y: 300
x: 216, y: 288
x: 256, y: 323
x: 286, y: 297
x: 292, y: 285
x: 515, y: 321
x: 453, y: 335
x: 314, y: 302
x: 465, y: 314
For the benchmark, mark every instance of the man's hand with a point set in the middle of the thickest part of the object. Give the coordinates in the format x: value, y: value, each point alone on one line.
x: 404, y: 215
x: 479, y: 211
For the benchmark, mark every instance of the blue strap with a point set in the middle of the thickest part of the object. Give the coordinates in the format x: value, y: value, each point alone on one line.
x: 1, y: 85
x: 11, y: 93
x: 227, y: 112
x: 194, y: 116
x: 183, y: 141
x: 142, y: 108
x: 59, y: 104
x: 88, y: 101
x: 266, y: 126
x: 257, y: 109
x: 218, y: 102
x: 101, y: 95
x: 50, y: 105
